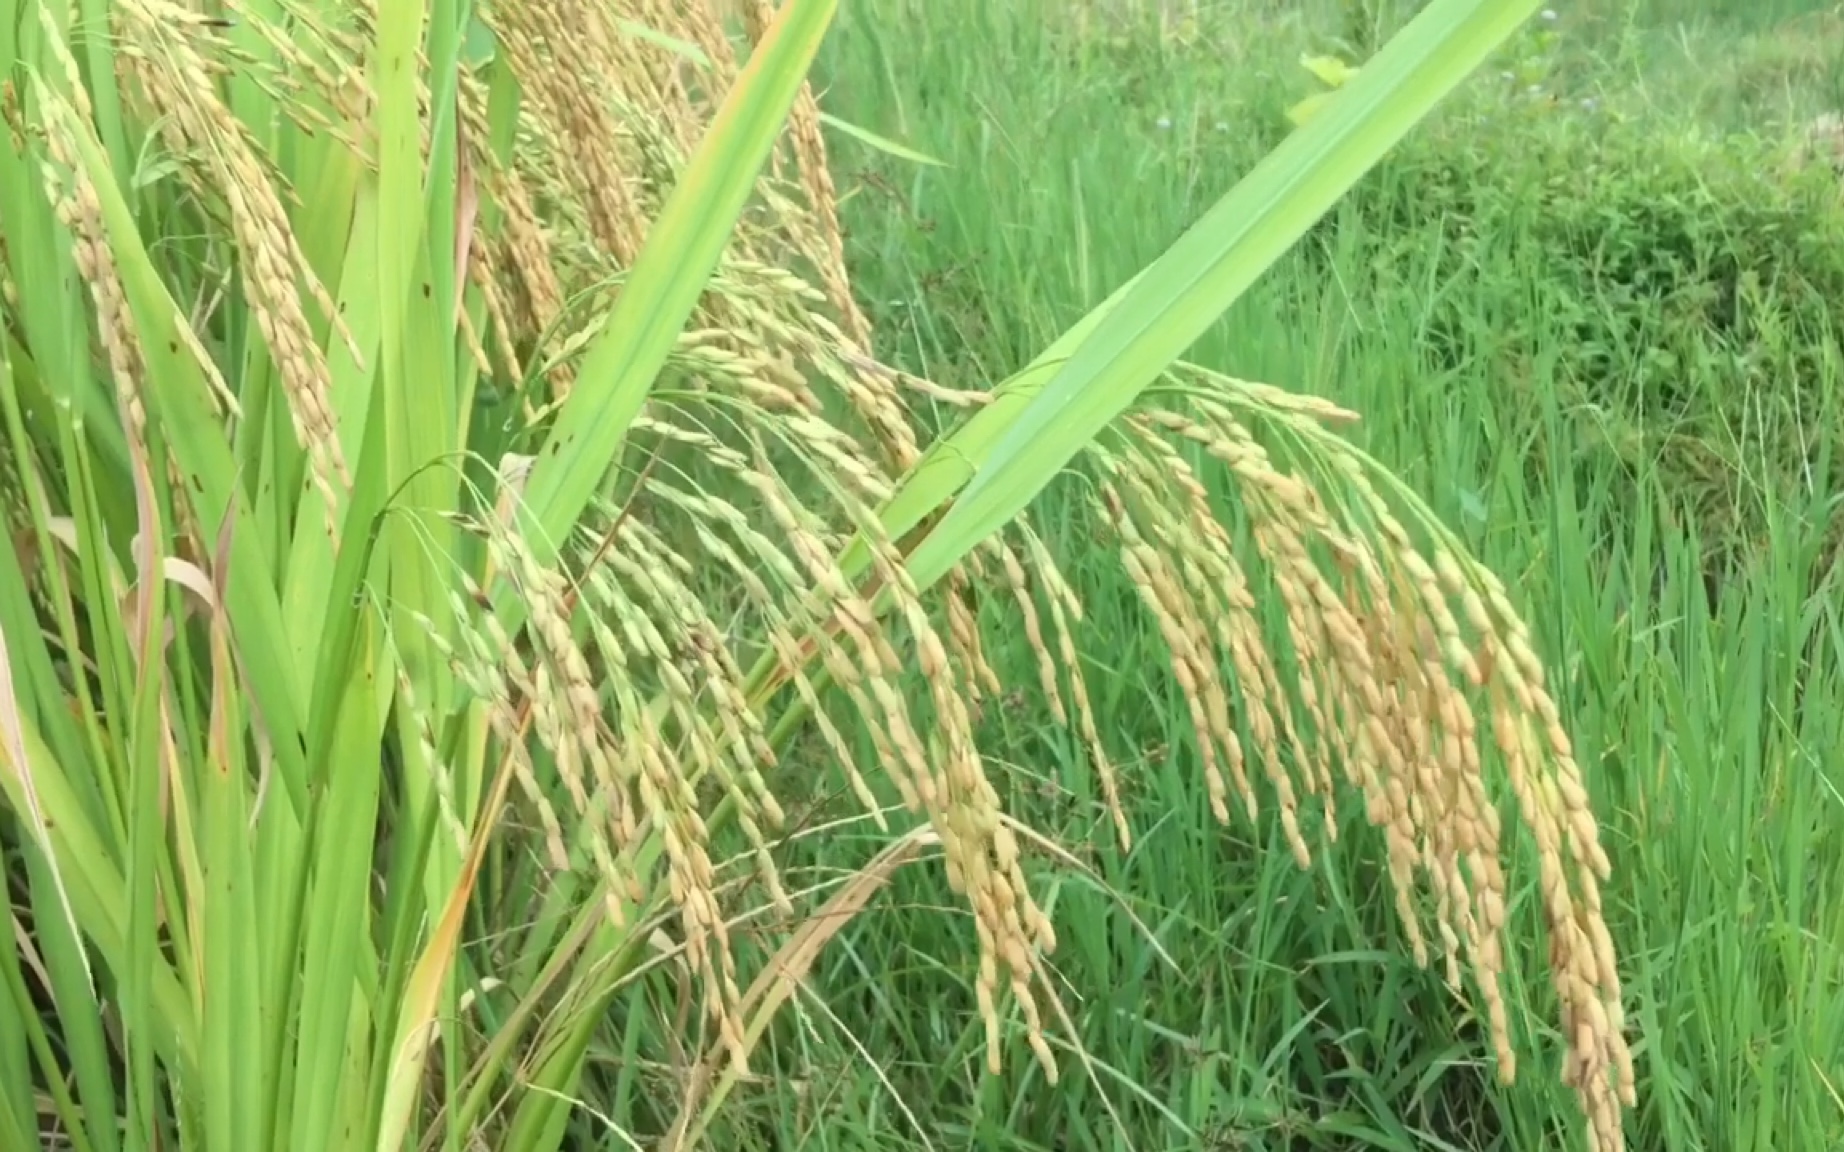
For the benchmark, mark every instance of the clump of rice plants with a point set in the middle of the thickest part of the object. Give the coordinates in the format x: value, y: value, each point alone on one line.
x: 449, y: 464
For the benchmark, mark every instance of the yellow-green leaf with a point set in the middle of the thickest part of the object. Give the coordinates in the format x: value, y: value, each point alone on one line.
x: 1331, y: 71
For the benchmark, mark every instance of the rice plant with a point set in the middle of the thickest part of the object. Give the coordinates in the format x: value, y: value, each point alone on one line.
x: 446, y: 468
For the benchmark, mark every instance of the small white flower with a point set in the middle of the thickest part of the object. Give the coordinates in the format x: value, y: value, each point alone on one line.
x: 1163, y: 122
x: 1548, y: 16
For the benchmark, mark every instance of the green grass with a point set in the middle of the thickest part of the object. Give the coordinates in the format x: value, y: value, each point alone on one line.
x: 1277, y: 1010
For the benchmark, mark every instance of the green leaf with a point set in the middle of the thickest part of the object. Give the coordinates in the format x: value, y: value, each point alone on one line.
x: 667, y: 280
x: 1209, y: 268
x: 182, y: 402
x: 882, y: 144
x: 658, y: 39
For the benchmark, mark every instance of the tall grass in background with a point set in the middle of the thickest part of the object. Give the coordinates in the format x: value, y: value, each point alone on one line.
x: 1597, y: 324
x: 1736, y: 13
x: 447, y: 475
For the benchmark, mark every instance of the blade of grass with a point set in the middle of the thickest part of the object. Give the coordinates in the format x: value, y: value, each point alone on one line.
x: 1199, y: 277
x: 667, y: 280
x: 231, y: 1024
x: 781, y: 977
x: 416, y: 1016
x: 180, y: 397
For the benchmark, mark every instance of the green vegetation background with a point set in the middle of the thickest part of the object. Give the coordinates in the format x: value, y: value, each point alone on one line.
x: 1592, y: 313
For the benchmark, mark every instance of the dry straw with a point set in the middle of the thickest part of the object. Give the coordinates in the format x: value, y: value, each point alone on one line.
x: 1328, y: 638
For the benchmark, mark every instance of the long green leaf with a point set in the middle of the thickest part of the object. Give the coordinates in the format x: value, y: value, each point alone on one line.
x: 181, y: 400
x: 951, y: 461
x: 669, y: 276
x: 1200, y: 276
x: 99, y: 893
x: 231, y: 1023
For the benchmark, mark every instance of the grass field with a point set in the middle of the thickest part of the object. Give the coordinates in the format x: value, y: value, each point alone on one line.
x: 1588, y: 317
